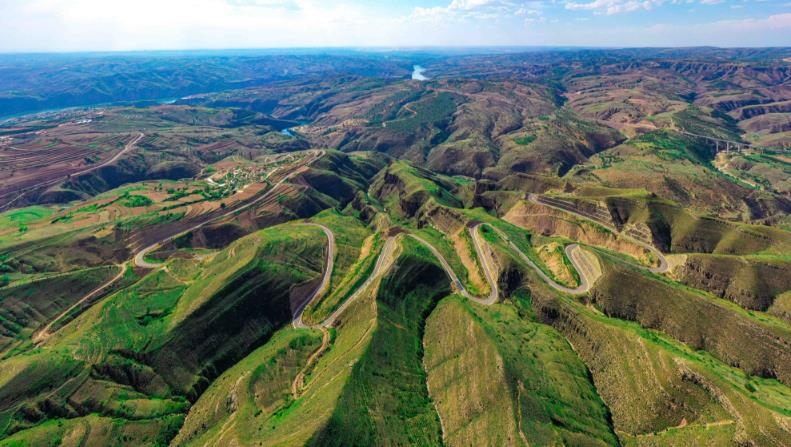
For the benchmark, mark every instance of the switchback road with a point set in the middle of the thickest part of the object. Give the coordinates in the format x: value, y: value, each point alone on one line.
x: 663, y: 266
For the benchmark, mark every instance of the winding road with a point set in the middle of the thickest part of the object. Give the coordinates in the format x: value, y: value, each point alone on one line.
x: 139, y: 258
x: 385, y: 261
x: 663, y: 266
x: 329, y: 265
x: 583, y: 262
x: 587, y: 270
x: 586, y: 267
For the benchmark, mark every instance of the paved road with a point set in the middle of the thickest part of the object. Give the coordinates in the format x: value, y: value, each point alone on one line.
x: 383, y: 263
x: 131, y: 144
x: 139, y: 258
x: 574, y: 253
x: 325, y: 280
x: 663, y: 266
x: 486, y: 265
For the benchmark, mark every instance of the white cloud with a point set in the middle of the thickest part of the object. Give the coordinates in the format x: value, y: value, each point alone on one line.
x: 773, y: 22
x: 614, y: 6
x: 460, y: 10
x: 85, y: 25
x: 154, y: 24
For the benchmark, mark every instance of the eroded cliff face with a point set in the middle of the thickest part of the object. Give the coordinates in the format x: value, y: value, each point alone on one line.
x: 755, y: 110
x: 752, y: 283
x: 733, y: 336
x: 545, y: 220
x: 646, y: 396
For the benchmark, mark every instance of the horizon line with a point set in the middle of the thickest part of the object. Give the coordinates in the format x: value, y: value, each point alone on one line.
x: 417, y: 48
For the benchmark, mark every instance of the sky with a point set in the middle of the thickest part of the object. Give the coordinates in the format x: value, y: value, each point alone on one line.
x: 114, y: 25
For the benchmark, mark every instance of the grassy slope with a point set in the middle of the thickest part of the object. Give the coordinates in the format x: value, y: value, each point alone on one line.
x: 350, y: 269
x: 465, y: 379
x: 652, y: 383
x: 756, y: 342
x: 29, y: 306
x: 753, y: 282
x: 288, y: 422
x: 97, y: 430
x: 135, y: 353
x: 386, y: 400
x: 499, y: 378
x: 521, y: 237
x: 237, y: 405
x: 677, y: 230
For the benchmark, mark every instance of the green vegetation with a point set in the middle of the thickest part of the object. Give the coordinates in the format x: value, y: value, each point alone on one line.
x: 167, y: 320
x: 149, y: 219
x: 386, y: 399
x: 525, y: 140
x: 672, y: 146
x: 28, y: 305
x: 541, y: 395
x: 349, y: 269
x: 202, y: 350
x: 134, y: 201
x: 627, y: 362
x: 428, y: 110
x: 764, y: 354
x: 261, y: 388
x: 712, y: 123
x: 23, y: 215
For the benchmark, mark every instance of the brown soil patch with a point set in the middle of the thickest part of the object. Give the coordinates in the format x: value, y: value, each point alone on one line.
x: 546, y: 220
x: 365, y: 250
x: 554, y: 262
x: 464, y: 250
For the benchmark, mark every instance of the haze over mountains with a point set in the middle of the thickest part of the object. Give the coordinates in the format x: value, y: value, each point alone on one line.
x: 494, y: 246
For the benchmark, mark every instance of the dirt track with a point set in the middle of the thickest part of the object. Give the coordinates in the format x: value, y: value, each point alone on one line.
x: 44, y: 333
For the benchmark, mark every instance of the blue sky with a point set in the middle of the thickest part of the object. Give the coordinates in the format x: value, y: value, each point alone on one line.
x: 87, y: 25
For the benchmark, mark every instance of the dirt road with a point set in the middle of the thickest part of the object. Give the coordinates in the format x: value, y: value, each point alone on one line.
x: 44, y: 333
x: 139, y: 259
x: 299, y: 380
